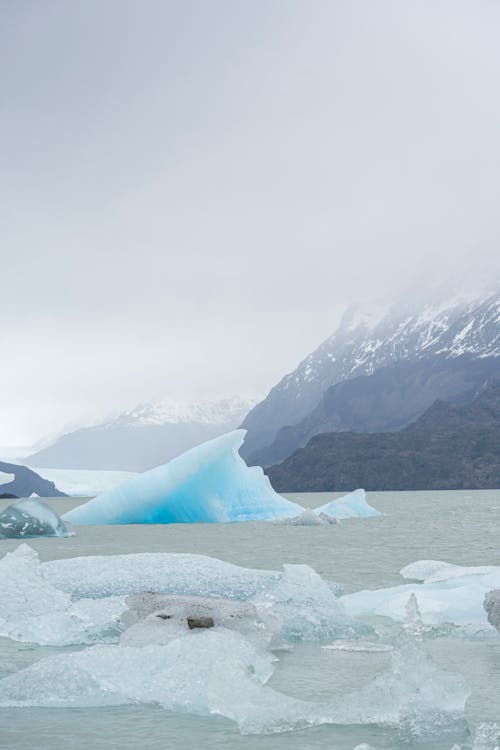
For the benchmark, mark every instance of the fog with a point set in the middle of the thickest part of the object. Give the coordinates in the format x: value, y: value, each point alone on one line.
x: 193, y: 192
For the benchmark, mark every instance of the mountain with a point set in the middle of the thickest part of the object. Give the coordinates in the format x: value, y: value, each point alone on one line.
x: 437, y: 339
x: 451, y: 446
x: 22, y: 482
x: 146, y: 436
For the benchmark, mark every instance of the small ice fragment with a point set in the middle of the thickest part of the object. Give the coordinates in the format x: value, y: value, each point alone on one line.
x: 353, y: 505
x: 29, y: 518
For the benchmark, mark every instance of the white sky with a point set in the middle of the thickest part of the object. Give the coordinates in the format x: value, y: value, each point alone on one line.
x: 192, y: 192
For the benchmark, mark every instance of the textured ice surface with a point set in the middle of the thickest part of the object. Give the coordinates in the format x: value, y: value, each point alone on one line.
x: 308, y: 517
x: 210, y: 483
x: 167, y: 573
x: 33, y: 610
x: 353, y: 505
x: 446, y: 594
x: 220, y: 672
x: 157, y: 618
x: 29, y: 518
x: 308, y: 606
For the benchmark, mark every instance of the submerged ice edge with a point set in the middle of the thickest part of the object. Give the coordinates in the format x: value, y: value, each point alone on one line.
x: 208, y: 484
x: 220, y: 672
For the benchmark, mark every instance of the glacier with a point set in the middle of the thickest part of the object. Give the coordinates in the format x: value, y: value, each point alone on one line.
x: 29, y: 518
x: 208, y: 484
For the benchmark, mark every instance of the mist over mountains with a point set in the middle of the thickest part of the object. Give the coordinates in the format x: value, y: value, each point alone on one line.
x: 379, y: 373
x: 148, y: 435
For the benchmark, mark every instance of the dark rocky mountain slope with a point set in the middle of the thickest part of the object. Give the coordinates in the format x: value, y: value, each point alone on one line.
x: 386, y: 401
x: 26, y: 482
x: 451, y: 446
x: 362, y: 345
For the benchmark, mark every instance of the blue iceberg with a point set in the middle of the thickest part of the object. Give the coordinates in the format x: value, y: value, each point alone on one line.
x: 208, y: 484
x: 353, y: 505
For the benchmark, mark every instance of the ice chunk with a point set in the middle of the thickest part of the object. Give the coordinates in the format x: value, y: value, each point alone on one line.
x: 29, y: 518
x: 167, y: 573
x: 448, y: 594
x: 436, y: 571
x: 218, y: 672
x: 33, y: 610
x: 487, y: 737
x: 307, y: 518
x: 308, y: 606
x: 492, y: 607
x: 159, y: 617
x: 353, y: 505
x: 210, y: 483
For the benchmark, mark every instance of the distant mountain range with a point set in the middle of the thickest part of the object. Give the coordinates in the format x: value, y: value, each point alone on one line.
x: 451, y: 446
x: 379, y: 373
x: 144, y: 437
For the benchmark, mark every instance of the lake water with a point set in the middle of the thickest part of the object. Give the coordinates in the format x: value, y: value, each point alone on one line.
x: 459, y: 527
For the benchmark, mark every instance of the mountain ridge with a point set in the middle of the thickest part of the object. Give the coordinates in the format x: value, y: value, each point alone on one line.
x: 460, y: 328
x: 450, y: 446
x: 142, y: 438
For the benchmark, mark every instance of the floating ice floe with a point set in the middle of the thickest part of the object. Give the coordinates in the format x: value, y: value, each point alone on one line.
x: 157, y: 658
x: 32, y: 610
x: 219, y: 672
x: 353, y: 505
x: 30, y: 518
x: 446, y: 594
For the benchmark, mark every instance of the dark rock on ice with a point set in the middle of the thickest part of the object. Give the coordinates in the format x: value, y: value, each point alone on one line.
x: 492, y: 607
x: 29, y: 518
x: 200, y: 622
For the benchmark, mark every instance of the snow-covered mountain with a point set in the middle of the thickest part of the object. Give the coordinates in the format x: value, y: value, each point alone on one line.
x: 461, y: 329
x: 224, y: 411
x: 150, y: 434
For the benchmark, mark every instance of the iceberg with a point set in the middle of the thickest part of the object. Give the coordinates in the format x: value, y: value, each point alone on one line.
x: 208, y: 484
x: 353, y: 505
x: 29, y: 518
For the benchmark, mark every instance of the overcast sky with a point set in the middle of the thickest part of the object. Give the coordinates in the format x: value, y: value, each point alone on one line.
x: 192, y: 192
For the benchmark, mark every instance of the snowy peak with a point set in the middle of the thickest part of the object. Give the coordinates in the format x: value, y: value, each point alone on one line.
x: 366, y: 342
x: 228, y: 412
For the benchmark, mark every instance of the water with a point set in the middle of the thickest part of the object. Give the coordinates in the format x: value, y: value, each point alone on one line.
x: 459, y: 527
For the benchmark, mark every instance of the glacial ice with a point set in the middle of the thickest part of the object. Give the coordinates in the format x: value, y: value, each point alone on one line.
x: 30, y: 518
x: 161, y: 572
x: 446, y: 594
x: 223, y: 670
x: 308, y: 607
x: 210, y: 483
x: 219, y: 672
x: 353, y: 505
x: 32, y: 610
